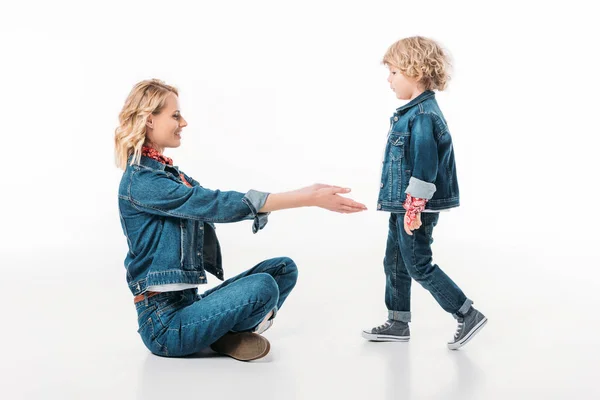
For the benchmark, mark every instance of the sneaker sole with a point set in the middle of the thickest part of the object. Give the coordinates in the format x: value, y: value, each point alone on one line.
x: 243, y: 346
x: 466, y: 339
x: 384, y: 338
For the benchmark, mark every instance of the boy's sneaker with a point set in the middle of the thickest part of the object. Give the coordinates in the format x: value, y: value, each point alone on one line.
x: 391, y: 331
x: 468, y: 326
x: 243, y: 346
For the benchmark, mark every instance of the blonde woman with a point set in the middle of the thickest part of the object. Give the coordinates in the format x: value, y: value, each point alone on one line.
x: 168, y: 219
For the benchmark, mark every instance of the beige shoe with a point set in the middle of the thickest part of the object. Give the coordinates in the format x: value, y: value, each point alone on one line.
x: 243, y: 346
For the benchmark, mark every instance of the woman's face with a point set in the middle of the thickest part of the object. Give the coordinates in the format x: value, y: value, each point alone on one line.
x: 163, y: 130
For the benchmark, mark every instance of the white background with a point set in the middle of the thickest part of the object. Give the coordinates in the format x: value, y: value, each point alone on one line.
x: 280, y: 95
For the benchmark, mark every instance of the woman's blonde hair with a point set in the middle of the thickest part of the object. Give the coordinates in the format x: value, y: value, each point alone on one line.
x: 420, y: 58
x: 146, y: 97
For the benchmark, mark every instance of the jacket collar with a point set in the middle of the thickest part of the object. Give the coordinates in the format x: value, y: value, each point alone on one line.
x: 151, y: 163
x: 428, y: 94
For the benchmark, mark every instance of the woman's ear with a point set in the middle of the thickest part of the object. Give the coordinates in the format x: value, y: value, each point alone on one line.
x: 149, y: 122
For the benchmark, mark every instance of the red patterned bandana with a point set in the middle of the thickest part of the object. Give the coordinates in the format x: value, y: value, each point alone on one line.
x: 155, y: 155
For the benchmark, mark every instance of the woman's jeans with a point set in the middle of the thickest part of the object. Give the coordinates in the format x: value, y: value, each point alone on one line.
x: 183, y: 322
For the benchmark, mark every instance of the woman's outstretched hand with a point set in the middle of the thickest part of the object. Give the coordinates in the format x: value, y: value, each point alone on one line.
x: 328, y: 197
x: 317, y: 195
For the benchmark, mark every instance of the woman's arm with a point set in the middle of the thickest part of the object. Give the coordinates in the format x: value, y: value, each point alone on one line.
x: 154, y: 192
x: 318, y: 195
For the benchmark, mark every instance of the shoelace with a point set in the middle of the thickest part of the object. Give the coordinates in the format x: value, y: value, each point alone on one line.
x: 384, y: 326
x: 459, y: 328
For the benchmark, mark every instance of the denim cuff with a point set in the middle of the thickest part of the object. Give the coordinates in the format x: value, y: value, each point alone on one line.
x: 420, y: 189
x: 256, y: 200
x: 402, y: 316
x: 264, y: 321
x: 274, y: 313
x: 463, y: 309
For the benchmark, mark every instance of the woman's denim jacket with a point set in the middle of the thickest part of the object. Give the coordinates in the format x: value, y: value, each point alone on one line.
x: 170, y: 227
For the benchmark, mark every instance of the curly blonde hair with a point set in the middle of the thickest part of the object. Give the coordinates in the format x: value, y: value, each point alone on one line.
x: 147, y: 97
x: 420, y: 58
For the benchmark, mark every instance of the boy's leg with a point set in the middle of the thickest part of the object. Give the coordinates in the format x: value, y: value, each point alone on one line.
x: 397, y: 279
x: 417, y: 255
x: 397, y: 292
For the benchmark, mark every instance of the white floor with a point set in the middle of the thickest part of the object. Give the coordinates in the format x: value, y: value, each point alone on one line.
x: 69, y: 331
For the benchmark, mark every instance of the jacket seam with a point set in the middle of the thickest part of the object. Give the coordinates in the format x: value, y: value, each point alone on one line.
x: 435, y: 117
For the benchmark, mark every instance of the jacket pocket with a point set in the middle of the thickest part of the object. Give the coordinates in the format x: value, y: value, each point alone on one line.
x: 148, y: 333
x: 396, y: 145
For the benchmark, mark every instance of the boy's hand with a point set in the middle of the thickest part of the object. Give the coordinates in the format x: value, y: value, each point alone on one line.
x: 408, y: 226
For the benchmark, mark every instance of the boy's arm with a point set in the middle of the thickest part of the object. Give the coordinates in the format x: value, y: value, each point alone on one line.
x: 424, y: 152
x: 421, y: 186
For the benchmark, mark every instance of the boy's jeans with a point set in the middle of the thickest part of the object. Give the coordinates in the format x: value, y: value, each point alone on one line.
x: 183, y: 322
x: 409, y: 257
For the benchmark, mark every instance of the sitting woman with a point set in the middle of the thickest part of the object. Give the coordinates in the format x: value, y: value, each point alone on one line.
x: 168, y: 219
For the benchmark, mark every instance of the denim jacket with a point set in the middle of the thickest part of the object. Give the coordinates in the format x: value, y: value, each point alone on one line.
x: 170, y: 227
x: 419, y: 158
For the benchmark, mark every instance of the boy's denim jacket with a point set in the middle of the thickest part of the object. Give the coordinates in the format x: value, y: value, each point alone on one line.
x: 419, y: 158
x: 170, y: 227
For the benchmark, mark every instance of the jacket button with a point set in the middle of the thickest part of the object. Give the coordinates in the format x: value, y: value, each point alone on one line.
x: 396, y: 118
x: 381, y: 185
x: 379, y: 206
x: 198, y: 254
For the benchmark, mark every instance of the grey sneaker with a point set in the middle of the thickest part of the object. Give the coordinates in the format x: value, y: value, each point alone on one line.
x: 468, y: 326
x: 391, y: 331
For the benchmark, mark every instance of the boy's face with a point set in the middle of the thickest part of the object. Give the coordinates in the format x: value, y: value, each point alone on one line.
x: 404, y: 87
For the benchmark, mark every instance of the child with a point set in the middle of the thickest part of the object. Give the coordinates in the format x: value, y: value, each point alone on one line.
x: 418, y: 181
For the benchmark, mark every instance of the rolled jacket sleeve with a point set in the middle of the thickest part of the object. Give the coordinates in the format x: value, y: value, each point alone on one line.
x: 256, y: 200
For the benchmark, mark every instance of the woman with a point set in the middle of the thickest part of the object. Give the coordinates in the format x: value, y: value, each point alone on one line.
x: 168, y: 219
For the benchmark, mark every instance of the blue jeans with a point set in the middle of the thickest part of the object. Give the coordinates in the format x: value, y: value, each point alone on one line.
x: 183, y: 322
x: 409, y: 257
